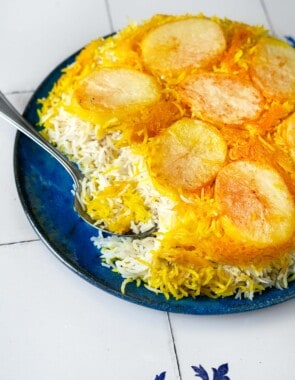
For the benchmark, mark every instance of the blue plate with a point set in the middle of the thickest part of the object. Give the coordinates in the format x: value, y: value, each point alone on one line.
x: 44, y: 189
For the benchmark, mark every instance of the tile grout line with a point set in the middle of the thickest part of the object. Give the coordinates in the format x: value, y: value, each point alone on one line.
x: 18, y: 242
x: 20, y: 92
x: 109, y: 13
x: 265, y: 10
x: 174, y: 345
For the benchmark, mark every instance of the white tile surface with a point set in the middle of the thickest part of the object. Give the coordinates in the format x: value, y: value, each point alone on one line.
x: 36, y: 35
x: 53, y: 324
x: 281, y: 16
x: 255, y: 345
x: 134, y: 10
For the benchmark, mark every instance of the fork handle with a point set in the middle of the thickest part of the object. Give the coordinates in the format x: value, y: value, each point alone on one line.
x: 13, y: 117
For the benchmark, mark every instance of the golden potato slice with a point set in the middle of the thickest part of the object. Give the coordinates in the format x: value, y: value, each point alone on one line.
x: 221, y: 98
x: 182, y: 44
x: 188, y: 154
x: 256, y: 204
x: 112, y: 88
x: 290, y: 135
x: 273, y: 68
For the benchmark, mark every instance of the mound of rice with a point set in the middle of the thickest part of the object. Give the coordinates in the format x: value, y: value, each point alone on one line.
x: 185, y: 123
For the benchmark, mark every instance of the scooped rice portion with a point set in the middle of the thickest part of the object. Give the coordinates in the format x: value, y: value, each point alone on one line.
x: 186, y: 124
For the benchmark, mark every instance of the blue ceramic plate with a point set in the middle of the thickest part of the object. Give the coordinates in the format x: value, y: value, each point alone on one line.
x: 45, y: 192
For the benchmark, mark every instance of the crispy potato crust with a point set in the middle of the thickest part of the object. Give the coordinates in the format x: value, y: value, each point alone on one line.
x: 273, y: 69
x: 256, y: 203
x: 188, y: 154
x: 113, y: 88
x: 222, y: 98
x: 178, y: 45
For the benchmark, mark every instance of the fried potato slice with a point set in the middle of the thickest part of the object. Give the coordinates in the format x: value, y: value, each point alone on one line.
x: 188, y: 154
x: 290, y: 135
x: 256, y: 204
x: 273, y: 68
x: 221, y: 98
x: 179, y: 45
x: 113, y: 88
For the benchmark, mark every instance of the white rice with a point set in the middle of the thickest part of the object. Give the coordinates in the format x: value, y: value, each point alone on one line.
x: 101, y: 162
